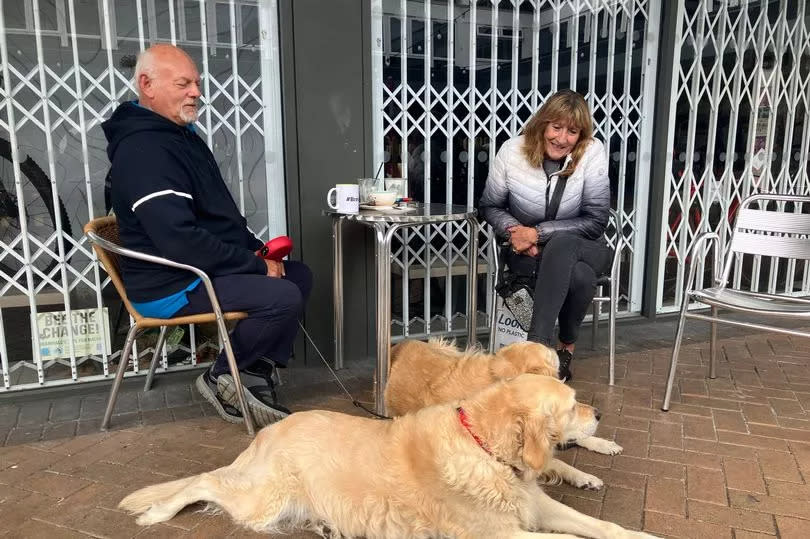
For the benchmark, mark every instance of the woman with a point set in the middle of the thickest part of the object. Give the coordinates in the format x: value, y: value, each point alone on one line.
x: 548, y: 192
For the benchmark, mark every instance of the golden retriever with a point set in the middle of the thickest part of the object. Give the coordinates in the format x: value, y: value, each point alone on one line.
x: 454, y: 470
x: 426, y: 373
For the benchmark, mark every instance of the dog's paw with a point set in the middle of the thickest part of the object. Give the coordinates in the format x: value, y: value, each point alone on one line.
x: 612, y: 448
x: 630, y: 534
x: 154, y: 515
x: 588, y: 482
x: 147, y: 519
x: 600, y: 445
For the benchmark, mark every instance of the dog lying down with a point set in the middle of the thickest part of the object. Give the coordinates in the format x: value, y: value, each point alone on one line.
x: 453, y: 470
x: 426, y: 373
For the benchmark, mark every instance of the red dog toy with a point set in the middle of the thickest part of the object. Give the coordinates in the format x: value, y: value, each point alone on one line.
x: 277, y: 248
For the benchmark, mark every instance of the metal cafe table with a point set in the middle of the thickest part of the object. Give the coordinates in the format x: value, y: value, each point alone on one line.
x: 385, y: 223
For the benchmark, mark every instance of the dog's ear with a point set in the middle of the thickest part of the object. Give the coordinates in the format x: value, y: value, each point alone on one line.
x: 503, y: 369
x: 504, y: 365
x: 540, y: 435
x: 542, y: 360
x: 542, y: 367
x: 524, y: 357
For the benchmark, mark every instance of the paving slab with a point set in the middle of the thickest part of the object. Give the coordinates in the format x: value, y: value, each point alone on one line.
x: 730, y: 460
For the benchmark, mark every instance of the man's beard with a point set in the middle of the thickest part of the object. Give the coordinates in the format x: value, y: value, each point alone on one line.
x: 187, y: 117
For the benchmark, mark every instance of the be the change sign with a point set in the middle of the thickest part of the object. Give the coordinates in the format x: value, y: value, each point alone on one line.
x: 91, y: 333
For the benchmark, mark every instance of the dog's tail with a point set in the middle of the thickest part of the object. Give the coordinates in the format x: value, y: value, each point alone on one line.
x: 158, y: 503
x: 224, y: 487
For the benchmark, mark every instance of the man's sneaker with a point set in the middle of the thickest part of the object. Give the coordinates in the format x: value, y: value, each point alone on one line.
x: 268, y: 365
x: 262, y: 379
x: 260, y: 395
x: 207, y: 386
x: 565, y: 356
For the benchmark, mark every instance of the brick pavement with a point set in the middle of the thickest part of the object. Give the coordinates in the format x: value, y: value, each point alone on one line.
x: 730, y: 460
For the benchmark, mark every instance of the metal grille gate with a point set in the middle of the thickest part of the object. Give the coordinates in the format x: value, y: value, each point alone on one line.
x: 62, y: 75
x: 453, y: 80
x: 740, y: 123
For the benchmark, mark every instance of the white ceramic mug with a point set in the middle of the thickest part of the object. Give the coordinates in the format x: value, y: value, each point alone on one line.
x: 346, y: 198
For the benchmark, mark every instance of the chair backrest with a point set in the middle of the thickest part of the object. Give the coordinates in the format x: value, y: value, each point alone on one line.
x: 772, y: 233
x: 107, y: 228
x: 765, y: 227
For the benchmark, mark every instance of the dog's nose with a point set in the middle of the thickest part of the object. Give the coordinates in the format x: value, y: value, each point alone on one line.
x: 598, y: 415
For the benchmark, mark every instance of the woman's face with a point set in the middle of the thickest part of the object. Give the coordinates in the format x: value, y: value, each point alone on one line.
x: 560, y: 138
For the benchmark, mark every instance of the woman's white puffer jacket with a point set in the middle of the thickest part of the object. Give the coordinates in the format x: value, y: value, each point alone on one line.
x: 516, y: 194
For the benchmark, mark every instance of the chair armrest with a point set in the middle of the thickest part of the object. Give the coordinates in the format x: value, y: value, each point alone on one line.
x: 617, y: 248
x: 695, y: 253
x: 617, y: 254
x: 123, y: 251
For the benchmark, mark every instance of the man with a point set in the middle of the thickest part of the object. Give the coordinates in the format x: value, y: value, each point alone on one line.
x: 171, y: 201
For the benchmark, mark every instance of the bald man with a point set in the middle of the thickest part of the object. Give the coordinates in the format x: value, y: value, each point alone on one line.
x: 171, y: 201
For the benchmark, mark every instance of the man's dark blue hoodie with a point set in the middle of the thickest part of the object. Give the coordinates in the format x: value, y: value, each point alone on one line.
x: 171, y: 201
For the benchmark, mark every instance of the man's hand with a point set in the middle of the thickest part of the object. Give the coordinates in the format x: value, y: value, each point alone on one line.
x: 523, y: 238
x: 274, y: 269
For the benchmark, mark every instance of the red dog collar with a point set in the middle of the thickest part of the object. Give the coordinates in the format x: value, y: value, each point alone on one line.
x: 465, y: 421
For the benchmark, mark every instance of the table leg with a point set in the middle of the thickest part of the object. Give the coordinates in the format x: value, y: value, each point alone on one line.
x: 472, y: 282
x: 495, y: 272
x: 382, y: 256
x: 337, y: 285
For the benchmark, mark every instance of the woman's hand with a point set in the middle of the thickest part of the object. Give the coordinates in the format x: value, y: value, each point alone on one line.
x: 534, y: 251
x: 523, y: 238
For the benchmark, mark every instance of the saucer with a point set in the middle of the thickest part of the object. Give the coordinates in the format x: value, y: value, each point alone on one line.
x: 388, y: 209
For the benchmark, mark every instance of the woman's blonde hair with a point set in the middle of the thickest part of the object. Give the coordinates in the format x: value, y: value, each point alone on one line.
x: 564, y: 106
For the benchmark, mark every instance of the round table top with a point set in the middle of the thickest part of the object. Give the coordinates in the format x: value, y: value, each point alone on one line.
x: 411, y: 213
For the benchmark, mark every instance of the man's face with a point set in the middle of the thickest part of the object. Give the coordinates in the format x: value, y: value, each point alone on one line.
x: 175, y: 88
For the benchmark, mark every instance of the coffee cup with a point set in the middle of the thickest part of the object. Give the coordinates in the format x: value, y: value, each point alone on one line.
x: 368, y: 186
x: 382, y: 198
x: 399, y: 185
x: 346, y: 198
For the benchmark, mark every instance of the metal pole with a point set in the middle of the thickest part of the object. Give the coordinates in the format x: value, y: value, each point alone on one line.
x: 381, y: 258
x: 472, y: 281
x: 337, y: 284
x: 493, y: 314
x: 123, y: 360
x: 153, y: 364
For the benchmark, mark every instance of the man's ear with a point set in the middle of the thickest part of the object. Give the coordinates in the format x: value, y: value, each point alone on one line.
x: 539, y: 437
x: 146, y: 85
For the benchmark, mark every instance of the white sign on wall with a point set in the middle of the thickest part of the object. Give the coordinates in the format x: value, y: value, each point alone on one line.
x: 91, y: 333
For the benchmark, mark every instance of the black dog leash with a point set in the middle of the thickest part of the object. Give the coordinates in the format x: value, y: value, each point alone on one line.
x: 337, y: 378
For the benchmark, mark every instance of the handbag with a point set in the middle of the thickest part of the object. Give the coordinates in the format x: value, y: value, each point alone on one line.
x: 521, y: 304
x: 517, y: 291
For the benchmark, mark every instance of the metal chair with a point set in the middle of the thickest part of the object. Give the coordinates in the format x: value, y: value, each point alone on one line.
x: 103, y: 235
x: 606, y: 280
x: 760, y: 232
